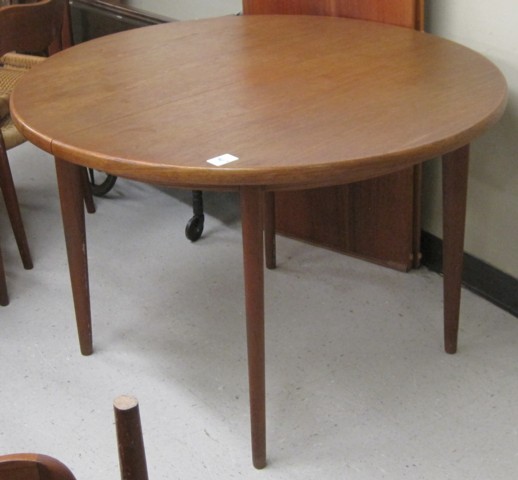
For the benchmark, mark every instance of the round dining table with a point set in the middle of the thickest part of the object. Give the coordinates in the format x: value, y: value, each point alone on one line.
x: 259, y: 104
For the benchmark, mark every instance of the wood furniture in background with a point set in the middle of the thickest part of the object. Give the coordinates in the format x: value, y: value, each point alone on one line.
x: 279, y: 111
x: 376, y: 219
x: 35, y: 28
x: 96, y: 18
x: 65, y: 40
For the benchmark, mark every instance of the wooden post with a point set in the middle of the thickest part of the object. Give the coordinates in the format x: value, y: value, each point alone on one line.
x: 132, y: 456
x: 269, y: 230
x: 455, y: 188
x: 70, y: 184
x: 4, y: 297
x: 252, y: 204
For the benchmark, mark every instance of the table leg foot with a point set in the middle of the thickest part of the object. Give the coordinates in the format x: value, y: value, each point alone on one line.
x: 71, y: 191
x: 252, y: 199
x: 455, y: 183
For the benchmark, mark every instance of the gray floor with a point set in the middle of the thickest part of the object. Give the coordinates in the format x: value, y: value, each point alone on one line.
x: 358, y: 386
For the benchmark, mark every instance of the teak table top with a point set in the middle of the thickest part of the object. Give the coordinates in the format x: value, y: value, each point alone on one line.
x: 299, y: 100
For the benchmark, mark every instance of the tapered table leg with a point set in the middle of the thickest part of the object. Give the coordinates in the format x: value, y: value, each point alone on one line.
x: 455, y: 184
x: 4, y: 297
x: 252, y: 199
x: 71, y: 192
x: 269, y: 230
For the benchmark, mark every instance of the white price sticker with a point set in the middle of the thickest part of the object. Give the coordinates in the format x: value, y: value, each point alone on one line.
x: 222, y: 160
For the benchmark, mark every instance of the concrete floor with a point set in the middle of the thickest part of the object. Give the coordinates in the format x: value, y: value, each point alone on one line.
x: 358, y: 385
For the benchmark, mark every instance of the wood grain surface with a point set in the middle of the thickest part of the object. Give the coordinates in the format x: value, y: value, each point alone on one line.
x: 301, y: 100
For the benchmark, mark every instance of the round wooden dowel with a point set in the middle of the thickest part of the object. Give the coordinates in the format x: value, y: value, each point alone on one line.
x: 132, y: 456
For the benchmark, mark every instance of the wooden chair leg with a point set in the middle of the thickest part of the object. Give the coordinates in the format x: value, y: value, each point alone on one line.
x: 13, y: 208
x: 132, y: 456
x: 269, y: 230
x: 4, y: 298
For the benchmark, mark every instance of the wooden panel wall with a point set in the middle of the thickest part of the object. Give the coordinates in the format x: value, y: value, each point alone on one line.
x: 404, y: 13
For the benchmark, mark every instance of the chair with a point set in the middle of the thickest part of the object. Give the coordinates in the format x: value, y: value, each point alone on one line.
x: 350, y: 219
x: 24, y: 28
x: 132, y: 457
x: 35, y: 28
x: 30, y: 466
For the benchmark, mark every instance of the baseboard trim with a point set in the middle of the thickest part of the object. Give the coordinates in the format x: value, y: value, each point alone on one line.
x: 486, y: 281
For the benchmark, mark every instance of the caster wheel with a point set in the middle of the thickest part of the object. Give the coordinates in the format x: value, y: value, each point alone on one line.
x: 101, y: 182
x: 194, y: 227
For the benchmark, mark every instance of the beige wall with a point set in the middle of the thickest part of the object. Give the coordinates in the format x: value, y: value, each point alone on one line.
x: 190, y: 9
x: 492, y: 218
